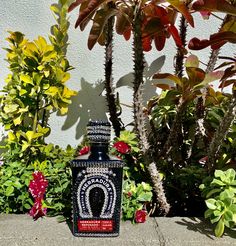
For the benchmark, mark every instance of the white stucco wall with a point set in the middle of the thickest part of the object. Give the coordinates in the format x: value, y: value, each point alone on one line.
x: 34, y: 18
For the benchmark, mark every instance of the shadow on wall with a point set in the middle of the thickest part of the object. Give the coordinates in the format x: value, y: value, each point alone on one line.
x: 88, y: 104
x: 149, y: 90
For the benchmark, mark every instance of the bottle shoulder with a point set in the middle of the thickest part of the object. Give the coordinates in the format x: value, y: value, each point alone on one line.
x: 86, y: 161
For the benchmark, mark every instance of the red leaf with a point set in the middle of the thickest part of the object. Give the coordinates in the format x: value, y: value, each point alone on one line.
x: 218, y: 45
x: 127, y: 34
x: 182, y: 8
x: 100, y: 19
x: 163, y: 86
x: 197, y: 44
x: 147, y: 44
x: 159, y: 41
x: 227, y: 83
x: 92, y: 6
x: 168, y: 76
x: 216, y: 41
x: 214, y: 6
x: 162, y: 13
x: 75, y: 4
x: 205, y: 14
x: 175, y: 34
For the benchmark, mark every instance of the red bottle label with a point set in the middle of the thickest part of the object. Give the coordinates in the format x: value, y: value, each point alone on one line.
x: 95, y: 225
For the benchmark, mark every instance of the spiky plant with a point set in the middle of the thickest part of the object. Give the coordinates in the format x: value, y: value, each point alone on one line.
x: 200, y: 131
x: 179, y: 62
x: 110, y: 96
x: 139, y: 116
x: 221, y: 133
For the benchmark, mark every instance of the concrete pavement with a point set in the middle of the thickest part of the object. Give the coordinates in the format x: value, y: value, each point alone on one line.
x: 21, y: 230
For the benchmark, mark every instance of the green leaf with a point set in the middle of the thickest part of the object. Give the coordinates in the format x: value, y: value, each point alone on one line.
x: 228, y: 215
x: 218, y: 182
x: 215, y: 219
x: 213, y: 191
x: 230, y: 174
x: 27, y: 206
x: 208, y: 213
x: 226, y: 194
x: 9, y: 190
x: 211, y: 203
x: 232, y: 208
x: 17, y: 184
x: 145, y: 197
x: 219, y: 174
x: 219, y: 230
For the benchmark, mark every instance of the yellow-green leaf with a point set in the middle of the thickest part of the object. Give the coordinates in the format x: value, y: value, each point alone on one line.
x: 55, y: 9
x: 52, y: 91
x: 11, y: 137
x: 22, y: 92
x: 42, y: 130
x: 10, y: 108
x: 46, y: 73
x: 29, y: 135
x: 67, y: 93
x: 219, y: 230
x: 26, y: 79
x: 63, y: 110
x: 41, y: 67
x: 65, y: 77
x: 17, y: 121
x: 192, y: 61
x: 25, y: 145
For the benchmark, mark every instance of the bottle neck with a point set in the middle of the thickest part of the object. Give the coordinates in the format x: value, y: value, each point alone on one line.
x: 99, y: 152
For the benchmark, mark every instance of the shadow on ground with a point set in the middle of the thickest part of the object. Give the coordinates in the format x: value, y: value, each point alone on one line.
x: 203, y: 226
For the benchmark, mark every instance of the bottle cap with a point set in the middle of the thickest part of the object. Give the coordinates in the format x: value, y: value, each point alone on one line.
x: 98, y: 131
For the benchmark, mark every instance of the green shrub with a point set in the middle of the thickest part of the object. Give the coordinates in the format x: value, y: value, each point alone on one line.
x: 15, y: 177
x: 220, y: 194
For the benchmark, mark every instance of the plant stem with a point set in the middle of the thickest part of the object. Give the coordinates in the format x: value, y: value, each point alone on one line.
x: 179, y: 62
x: 110, y: 97
x: 172, y: 139
x: 220, y: 134
x: 140, y: 117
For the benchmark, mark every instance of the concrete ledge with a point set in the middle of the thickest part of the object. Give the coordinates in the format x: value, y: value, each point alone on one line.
x: 21, y: 230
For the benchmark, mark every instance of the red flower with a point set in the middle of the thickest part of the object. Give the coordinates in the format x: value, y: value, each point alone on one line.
x: 122, y: 147
x: 140, y: 216
x: 37, y: 210
x: 84, y: 150
x: 37, y: 188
